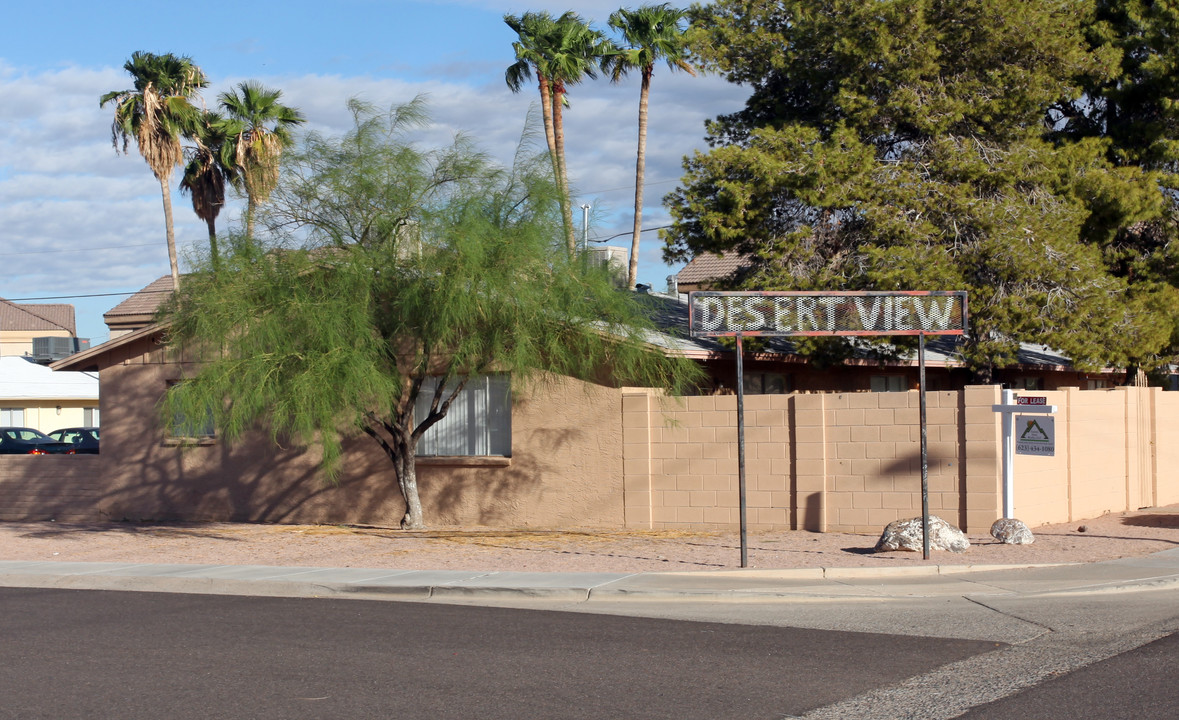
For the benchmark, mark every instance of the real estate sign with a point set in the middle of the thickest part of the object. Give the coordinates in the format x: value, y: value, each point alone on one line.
x: 1035, y: 435
x: 715, y: 314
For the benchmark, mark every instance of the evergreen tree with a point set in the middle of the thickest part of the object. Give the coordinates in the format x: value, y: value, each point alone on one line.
x: 903, y: 144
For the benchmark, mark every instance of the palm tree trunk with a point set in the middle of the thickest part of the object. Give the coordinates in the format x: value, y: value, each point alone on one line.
x: 640, y: 170
x: 250, y: 206
x: 166, y: 192
x: 546, y: 113
x: 562, y: 173
x: 216, y: 257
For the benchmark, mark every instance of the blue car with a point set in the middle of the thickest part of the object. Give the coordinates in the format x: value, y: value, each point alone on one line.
x: 83, y: 439
x: 27, y: 441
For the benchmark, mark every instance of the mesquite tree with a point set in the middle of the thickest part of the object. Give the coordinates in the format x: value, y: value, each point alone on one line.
x: 391, y: 277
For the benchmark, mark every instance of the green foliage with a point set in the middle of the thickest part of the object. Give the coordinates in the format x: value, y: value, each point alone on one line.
x: 918, y: 144
x: 393, y: 263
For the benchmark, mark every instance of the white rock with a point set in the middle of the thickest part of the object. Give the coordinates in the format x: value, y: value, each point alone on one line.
x: 1010, y: 531
x: 906, y: 535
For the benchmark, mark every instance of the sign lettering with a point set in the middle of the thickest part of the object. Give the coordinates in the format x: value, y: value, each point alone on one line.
x: 864, y: 313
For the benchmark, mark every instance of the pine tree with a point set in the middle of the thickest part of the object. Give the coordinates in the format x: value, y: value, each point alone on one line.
x: 904, y: 144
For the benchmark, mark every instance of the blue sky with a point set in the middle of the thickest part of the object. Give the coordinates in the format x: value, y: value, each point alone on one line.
x: 77, y: 219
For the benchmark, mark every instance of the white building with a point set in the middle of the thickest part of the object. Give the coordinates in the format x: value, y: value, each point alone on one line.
x: 32, y: 395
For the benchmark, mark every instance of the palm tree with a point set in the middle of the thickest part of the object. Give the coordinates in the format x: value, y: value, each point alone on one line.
x: 263, y: 133
x: 157, y: 112
x: 210, y: 166
x: 533, y: 28
x: 561, y: 52
x: 652, y: 33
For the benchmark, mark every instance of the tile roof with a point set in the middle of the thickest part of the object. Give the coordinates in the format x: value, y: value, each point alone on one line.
x: 59, y: 316
x: 708, y: 266
x: 144, y: 302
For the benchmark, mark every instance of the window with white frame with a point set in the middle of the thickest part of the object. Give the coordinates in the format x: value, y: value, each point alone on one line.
x: 479, y: 422
x: 90, y: 417
x: 12, y: 417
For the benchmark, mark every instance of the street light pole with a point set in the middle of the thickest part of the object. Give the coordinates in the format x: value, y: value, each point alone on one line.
x: 585, y: 227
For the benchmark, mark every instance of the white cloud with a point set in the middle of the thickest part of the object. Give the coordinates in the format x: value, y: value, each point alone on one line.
x: 67, y: 196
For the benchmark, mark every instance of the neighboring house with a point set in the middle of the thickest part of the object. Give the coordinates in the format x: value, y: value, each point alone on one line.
x: 709, y: 271
x: 20, y: 324
x: 32, y: 395
x: 138, y: 310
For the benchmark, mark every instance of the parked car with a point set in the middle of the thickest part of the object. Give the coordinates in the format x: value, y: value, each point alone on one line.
x: 84, y: 439
x: 27, y: 441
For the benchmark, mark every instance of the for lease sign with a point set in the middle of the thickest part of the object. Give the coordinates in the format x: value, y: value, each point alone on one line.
x: 837, y: 313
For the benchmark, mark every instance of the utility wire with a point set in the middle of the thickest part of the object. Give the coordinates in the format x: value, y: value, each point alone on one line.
x: 95, y: 295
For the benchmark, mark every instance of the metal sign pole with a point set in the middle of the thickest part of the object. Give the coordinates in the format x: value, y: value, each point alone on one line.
x: 825, y: 314
x: 924, y: 450
x: 741, y: 452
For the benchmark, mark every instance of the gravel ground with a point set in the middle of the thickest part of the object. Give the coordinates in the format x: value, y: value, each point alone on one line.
x: 1108, y: 537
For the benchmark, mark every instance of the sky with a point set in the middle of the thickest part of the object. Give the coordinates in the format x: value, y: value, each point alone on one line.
x: 78, y: 219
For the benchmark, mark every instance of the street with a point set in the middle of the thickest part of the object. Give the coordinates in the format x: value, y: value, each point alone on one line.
x: 96, y: 654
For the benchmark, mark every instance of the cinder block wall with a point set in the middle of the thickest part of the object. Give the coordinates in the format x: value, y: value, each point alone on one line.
x: 850, y: 462
x: 847, y: 462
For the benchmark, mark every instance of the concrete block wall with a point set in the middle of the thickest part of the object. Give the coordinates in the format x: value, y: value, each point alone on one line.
x: 850, y: 462
x: 847, y: 462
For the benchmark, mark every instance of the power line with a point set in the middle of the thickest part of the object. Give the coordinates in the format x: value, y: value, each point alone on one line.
x: 629, y: 232
x: 95, y: 295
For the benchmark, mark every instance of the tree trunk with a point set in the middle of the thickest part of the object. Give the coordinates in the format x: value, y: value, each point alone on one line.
x: 407, y: 479
x: 562, y: 172
x: 166, y: 192
x: 632, y: 273
x: 546, y: 113
x: 212, y: 223
x: 250, y: 207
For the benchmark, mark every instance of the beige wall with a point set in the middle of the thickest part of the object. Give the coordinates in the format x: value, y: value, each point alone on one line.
x: 589, y: 456
x: 850, y: 462
x: 565, y: 469
x: 20, y: 342
x: 50, y: 415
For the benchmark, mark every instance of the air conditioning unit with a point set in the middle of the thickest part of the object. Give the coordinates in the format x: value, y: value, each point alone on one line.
x: 614, y: 258
x: 50, y: 349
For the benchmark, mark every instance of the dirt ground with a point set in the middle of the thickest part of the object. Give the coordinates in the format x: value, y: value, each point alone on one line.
x: 1108, y: 537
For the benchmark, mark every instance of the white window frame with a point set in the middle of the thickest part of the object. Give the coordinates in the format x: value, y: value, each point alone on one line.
x: 478, y: 423
x: 12, y: 417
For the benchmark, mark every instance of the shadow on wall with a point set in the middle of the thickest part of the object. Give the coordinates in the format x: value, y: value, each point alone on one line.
x: 457, y: 495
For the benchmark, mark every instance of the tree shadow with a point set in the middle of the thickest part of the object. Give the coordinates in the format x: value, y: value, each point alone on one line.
x: 1153, y: 520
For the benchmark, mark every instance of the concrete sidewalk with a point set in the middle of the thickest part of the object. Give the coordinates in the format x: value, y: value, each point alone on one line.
x: 844, y: 584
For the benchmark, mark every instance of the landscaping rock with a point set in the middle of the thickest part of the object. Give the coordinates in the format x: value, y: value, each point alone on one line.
x: 906, y: 535
x: 1010, y: 531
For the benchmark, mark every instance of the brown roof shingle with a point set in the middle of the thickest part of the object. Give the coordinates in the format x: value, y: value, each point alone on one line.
x: 708, y: 267
x: 144, y: 302
x: 57, y: 316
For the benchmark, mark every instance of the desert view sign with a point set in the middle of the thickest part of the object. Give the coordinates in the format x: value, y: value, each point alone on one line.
x: 715, y: 314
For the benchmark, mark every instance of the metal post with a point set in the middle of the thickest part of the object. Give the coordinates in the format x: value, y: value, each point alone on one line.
x: 585, y: 227
x: 741, y: 451
x: 1008, y: 457
x: 924, y: 450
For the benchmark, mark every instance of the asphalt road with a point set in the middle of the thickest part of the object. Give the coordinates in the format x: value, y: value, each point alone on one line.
x: 1136, y: 685
x: 127, y: 655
